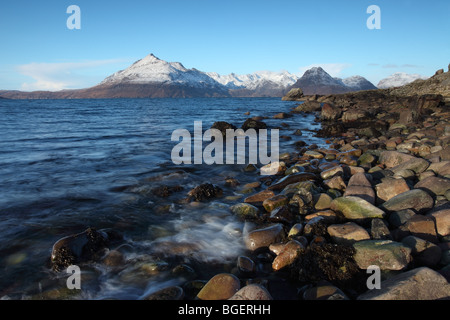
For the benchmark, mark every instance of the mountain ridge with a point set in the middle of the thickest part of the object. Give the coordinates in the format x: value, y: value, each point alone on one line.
x: 151, y: 77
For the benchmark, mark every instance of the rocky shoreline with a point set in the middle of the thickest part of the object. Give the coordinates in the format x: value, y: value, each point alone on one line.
x: 377, y: 196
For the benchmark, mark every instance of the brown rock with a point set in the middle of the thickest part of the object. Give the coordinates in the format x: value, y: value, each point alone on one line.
x: 264, y: 237
x: 258, y: 198
x: 442, y: 220
x: 220, y: 287
x: 290, y: 252
x: 275, y: 202
x: 347, y: 233
x: 422, y: 227
x: 360, y: 186
x: 390, y: 187
x: 417, y: 284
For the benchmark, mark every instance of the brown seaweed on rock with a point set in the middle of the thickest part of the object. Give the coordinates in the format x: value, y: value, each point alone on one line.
x: 331, y: 262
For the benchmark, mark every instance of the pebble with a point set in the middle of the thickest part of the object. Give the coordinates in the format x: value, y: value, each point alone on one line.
x: 220, y: 287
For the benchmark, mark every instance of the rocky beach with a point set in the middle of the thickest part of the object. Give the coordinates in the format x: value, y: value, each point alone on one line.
x: 376, y: 198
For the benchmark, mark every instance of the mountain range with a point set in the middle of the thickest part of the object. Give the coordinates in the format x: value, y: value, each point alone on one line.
x: 152, y: 77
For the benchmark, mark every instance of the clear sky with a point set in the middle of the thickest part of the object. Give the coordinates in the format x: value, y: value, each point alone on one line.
x: 38, y: 51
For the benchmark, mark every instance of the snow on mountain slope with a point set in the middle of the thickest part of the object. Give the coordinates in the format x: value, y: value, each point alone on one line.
x: 255, y: 80
x: 399, y: 79
x: 151, y: 69
x: 359, y: 83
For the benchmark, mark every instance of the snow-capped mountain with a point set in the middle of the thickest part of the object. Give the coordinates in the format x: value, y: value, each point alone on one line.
x: 358, y: 83
x: 399, y: 79
x: 318, y: 81
x: 255, y: 80
x: 153, y: 70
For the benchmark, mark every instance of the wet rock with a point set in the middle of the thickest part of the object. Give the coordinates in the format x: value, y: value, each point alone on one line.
x: 293, y: 95
x: 336, y: 183
x: 293, y: 178
x: 273, y: 168
x: 442, y: 220
x: 282, y: 214
x: 424, y: 252
x: 298, y: 132
x: 264, y: 237
x: 223, y: 126
x: 434, y: 185
x: 253, y: 124
x: 253, y: 292
x: 417, y: 284
x: 415, y: 199
x: 386, y: 254
x: 245, y: 265
x: 282, y: 115
x: 330, y: 173
x: 295, y: 230
x: 275, y: 202
x: 324, y: 291
x: 220, y: 287
x: 355, y: 208
x: 204, y: 192
x: 166, y: 191
x: 170, y: 293
x: 390, y: 187
x: 347, y: 233
x: 322, y: 201
x: 245, y: 211
x: 78, y: 248
x: 330, y: 262
x: 315, y: 227
x: 290, y: 252
x: 329, y: 216
x: 258, y: 198
x: 360, y: 186
x: 114, y: 258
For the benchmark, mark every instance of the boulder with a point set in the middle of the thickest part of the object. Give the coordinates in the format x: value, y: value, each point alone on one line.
x: 264, y: 237
x: 415, y: 199
x: 220, y: 287
x: 434, y: 185
x: 360, y: 186
x: 290, y: 252
x: 424, y: 252
x: 417, y: 284
x: 78, y: 248
x: 347, y: 233
x: 355, y: 208
x: 293, y: 95
x: 442, y: 220
x: 386, y: 254
x: 253, y: 292
x: 390, y: 187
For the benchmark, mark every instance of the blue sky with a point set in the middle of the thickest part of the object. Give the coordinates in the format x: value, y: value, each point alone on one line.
x: 38, y: 51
